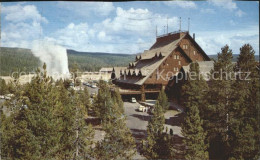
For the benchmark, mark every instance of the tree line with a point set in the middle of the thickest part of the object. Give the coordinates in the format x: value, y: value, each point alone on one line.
x: 48, y: 121
x: 221, y: 116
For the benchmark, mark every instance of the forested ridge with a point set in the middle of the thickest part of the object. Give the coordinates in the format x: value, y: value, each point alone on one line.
x: 93, y: 61
x: 19, y: 59
x: 14, y: 59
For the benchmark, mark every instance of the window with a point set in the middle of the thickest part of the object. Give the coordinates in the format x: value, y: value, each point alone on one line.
x: 177, y: 57
x: 185, y: 46
x: 179, y: 62
x: 194, y: 52
x: 174, y: 57
x: 176, y: 69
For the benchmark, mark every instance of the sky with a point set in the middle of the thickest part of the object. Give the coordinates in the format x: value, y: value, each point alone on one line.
x: 129, y: 27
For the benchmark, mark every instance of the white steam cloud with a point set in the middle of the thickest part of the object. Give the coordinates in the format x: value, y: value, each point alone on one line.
x: 55, y: 57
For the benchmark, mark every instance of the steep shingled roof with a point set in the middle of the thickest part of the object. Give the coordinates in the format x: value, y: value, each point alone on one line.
x: 153, y: 58
x: 204, y: 66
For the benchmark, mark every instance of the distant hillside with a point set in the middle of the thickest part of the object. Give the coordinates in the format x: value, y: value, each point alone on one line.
x: 14, y: 59
x: 235, y: 56
x: 17, y: 59
x: 93, y: 61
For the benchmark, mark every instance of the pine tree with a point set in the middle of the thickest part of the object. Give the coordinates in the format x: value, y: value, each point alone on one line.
x: 103, y: 103
x: 157, y: 143
x: 65, y: 110
x: 163, y: 100
x: 3, y: 87
x: 215, y: 115
x: 34, y: 133
x: 117, y: 99
x: 244, y: 144
x: 84, y: 133
x: 194, y: 135
x: 194, y: 90
x: 245, y: 108
x: 17, y: 141
x: 76, y: 135
x: 85, y: 98
x: 47, y: 122
x: 118, y: 142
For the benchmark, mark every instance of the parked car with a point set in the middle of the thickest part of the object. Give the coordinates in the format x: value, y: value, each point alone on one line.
x: 93, y: 86
x: 141, y: 108
x: 133, y: 100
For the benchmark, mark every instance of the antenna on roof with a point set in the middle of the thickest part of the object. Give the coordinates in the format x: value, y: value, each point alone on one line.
x: 156, y: 31
x: 188, y: 24
x: 180, y: 24
x: 167, y: 24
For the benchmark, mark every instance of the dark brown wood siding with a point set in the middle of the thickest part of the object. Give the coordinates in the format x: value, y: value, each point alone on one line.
x: 190, y: 50
x: 168, y: 68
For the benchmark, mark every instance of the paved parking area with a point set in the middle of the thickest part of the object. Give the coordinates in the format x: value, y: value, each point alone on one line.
x: 138, y: 121
x: 92, y: 90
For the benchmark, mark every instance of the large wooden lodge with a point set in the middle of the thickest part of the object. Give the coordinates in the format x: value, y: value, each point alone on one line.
x: 154, y: 68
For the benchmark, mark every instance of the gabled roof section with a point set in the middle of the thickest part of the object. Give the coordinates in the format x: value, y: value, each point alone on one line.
x: 151, y: 59
x: 167, y: 39
x: 198, y: 47
x: 204, y: 66
x: 184, y: 54
x: 164, y: 50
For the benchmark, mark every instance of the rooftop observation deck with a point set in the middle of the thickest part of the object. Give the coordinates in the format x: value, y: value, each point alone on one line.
x: 171, y: 33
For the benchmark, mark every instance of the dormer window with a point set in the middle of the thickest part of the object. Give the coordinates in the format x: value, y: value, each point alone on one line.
x: 160, y: 55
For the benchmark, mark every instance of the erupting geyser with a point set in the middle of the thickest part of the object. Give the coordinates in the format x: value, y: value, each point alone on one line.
x: 55, y: 57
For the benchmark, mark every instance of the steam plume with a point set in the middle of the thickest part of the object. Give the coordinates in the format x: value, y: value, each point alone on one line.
x: 53, y: 55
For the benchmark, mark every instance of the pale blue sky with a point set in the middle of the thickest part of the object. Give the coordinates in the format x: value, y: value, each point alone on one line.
x: 129, y: 27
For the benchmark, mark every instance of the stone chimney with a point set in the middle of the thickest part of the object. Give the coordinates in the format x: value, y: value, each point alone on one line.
x: 194, y: 36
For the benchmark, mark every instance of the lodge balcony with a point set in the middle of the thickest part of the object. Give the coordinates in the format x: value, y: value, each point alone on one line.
x: 137, y: 91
